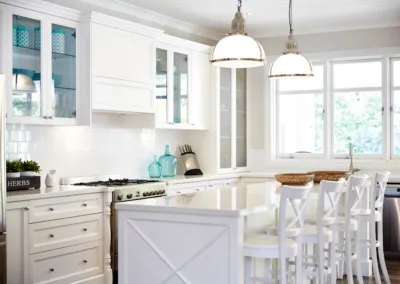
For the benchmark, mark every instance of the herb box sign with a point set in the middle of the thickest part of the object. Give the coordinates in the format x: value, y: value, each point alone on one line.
x: 27, y: 182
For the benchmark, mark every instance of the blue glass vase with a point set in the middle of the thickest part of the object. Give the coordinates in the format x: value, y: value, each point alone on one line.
x: 155, y: 168
x: 168, y: 163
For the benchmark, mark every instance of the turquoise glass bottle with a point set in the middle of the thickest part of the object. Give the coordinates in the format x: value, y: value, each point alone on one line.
x: 155, y: 168
x: 168, y: 163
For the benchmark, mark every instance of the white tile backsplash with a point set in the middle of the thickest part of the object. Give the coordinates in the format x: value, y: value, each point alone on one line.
x: 103, y: 148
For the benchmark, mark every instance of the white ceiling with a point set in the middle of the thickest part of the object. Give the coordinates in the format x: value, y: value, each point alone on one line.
x: 269, y: 17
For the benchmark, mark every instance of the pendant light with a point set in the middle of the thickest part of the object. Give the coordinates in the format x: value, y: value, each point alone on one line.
x: 237, y: 49
x: 22, y: 84
x: 291, y: 64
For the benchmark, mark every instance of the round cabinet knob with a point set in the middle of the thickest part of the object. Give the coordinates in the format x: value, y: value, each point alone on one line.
x: 84, y: 261
x: 129, y: 196
x: 137, y: 192
x: 120, y: 196
x: 51, y: 209
x: 51, y: 236
x: 84, y: 204
x: 178, y: 192
x: 51, y: 269
x: 84, y: 229
x: 27, y: 208
x: 197, y: 189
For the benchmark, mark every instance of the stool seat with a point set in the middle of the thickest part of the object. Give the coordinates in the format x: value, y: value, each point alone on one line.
x: 310, y: 234
x: 265, y: 246
x: 340, y: 224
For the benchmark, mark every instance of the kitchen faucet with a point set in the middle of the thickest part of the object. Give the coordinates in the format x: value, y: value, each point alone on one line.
x: 352, y: 170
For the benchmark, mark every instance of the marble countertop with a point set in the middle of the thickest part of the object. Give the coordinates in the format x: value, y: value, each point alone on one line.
x: 250, y: 199
x: 48, y: 192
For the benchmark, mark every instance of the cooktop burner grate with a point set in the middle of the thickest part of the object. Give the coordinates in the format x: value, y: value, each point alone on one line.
x: 117, y: 182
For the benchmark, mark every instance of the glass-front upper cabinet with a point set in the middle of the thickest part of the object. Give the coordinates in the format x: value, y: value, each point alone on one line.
x: 63, y: 83
x: 43, y: 69
x: 26, y: 97
x: 172, y: 88
x: 232, y: 119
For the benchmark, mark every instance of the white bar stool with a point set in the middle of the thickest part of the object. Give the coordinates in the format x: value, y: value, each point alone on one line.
x: 320, y: 236
x: 280, y: 247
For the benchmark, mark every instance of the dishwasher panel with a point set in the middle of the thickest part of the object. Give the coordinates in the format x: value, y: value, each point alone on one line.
x: 391, y: 223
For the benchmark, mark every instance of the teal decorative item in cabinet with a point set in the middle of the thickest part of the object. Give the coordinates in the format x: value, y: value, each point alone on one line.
x: 37, y: 38
x: 58, y: 41
x: 168, y: 163
x: 14, y: 35
x: 22, y: 36
x: 155, y: 168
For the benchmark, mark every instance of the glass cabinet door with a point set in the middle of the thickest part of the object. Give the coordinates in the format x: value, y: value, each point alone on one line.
x: 63, y: 47
x: 225, y: 118
x: 241, y: 114
x: 26, y: 68
x: 161, y: 85
x: 181, y: 87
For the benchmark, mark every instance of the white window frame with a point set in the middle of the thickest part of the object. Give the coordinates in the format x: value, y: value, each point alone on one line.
x: 383, y: 89
x: 392, y: 89
x: 277, y: 94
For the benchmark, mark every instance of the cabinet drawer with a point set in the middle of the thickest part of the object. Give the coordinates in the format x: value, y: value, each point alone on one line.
x: 65, y: 207
x: 66, y: 265
x: 56, y: 234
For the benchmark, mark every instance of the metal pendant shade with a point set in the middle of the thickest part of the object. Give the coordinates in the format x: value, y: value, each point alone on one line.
x: 291, y: 64
x: 237, y: 49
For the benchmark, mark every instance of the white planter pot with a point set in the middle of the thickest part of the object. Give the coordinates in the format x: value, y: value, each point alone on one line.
x: 27, y: 174
x: 13, y: 175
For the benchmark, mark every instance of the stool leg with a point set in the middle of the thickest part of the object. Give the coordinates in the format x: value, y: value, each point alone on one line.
x: 267, y: 269
x: 380, y: 252
x: 348, y: 254
x: 282, y: 271
x: 299, y: 262
x: 373, y: 252
x: 340, y: 246
x: 248, y: 270
x: 320, y: 262
x: 332, y: 259
x: 360, y: 279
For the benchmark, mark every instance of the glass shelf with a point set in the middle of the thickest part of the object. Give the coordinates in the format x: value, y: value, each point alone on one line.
x: 64, y: 88
x: 21, y: 50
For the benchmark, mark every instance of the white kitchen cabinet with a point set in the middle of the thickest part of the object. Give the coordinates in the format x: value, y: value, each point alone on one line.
x: 17, y: 242
x: 119, y: 64
x: 41, y: 56
x: 182, y: 84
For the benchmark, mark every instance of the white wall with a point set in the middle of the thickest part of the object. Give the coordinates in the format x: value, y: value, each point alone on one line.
x: 356, y: 43
x: 103, y: 148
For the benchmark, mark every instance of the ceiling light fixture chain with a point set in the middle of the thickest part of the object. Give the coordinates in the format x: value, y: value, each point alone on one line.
x: 239, y: 6
x: 290, y: 18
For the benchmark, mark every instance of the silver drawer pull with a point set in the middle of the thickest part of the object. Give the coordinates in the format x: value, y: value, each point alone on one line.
x: 197, y: 189
x: 51, y: 209
x: 51, y: 269
x: 51, y: 236
x: 27, y: 208
x: 84, y: 229
x: 84, y: 204
x: 178, y: 192
x: 84, y: 261
x: 210, y: 185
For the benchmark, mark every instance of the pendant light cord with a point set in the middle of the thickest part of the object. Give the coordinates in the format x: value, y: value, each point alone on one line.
x: 239, y: 5
x: 290, y: 18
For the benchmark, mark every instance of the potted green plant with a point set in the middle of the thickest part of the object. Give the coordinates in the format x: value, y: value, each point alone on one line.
x: 13, y: 168
x: 30, y: 168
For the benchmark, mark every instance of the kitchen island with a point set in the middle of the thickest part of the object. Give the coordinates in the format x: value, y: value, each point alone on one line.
x: 195, y: 238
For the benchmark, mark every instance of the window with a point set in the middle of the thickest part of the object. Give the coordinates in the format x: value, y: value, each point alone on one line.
x: 357, y: 107
x: 300, y: 105
x: 346, y: 102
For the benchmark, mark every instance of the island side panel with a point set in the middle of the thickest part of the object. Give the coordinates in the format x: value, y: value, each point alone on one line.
x: 179, y: 248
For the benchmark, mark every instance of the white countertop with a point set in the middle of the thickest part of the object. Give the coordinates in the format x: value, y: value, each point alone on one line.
x: 233, y: 201
x: 48, y: 192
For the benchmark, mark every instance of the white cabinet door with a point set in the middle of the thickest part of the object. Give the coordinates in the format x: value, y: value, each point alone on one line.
x: 122, y: 55
x: 199, y: 104
x: 17, y: 242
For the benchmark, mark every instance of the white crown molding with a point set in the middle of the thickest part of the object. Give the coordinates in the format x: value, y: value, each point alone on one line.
x: 177, y: 41
x: 153, y: 17
x: 99, y: 18
x: 46, y: 7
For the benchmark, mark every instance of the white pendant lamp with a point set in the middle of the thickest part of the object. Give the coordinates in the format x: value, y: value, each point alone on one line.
x: 22, y: 84
x: 237, y: 49
x: 291, y: 64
